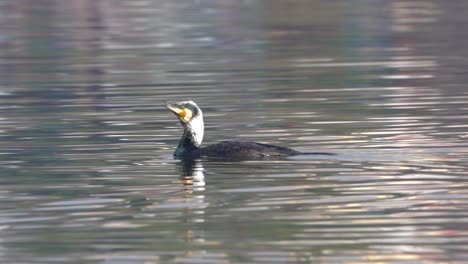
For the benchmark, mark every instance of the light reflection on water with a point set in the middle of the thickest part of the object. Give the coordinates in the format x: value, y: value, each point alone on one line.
x: 86, y: 147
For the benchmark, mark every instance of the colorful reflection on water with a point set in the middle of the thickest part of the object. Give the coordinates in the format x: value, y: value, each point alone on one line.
x: 87, y: 172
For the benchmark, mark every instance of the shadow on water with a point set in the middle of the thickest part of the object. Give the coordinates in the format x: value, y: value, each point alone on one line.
x: 192, y: 174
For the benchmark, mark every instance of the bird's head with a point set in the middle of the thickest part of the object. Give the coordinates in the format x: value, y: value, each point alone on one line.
x: 186, y: 111
x: 191, y: 118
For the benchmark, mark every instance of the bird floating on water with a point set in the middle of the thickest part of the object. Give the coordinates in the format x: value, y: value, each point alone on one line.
x: 191, y: 118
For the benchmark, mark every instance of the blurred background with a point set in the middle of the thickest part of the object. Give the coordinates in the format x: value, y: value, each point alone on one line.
x: 86, y: 167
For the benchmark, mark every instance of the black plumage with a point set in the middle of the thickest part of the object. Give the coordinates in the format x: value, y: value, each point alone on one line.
x: 237, y: 150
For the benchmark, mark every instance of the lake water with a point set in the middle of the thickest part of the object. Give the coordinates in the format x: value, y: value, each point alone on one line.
x: 86, y: 167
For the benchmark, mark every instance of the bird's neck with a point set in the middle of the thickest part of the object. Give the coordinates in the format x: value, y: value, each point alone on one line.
x: 191, y: 139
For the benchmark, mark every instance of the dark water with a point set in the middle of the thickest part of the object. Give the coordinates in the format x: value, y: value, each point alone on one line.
x: 86, y: 167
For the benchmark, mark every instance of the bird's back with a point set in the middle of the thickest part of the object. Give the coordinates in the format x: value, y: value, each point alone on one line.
x: 237, y: 150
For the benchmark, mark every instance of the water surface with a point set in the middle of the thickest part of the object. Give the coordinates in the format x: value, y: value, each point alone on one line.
x: 86, y: 163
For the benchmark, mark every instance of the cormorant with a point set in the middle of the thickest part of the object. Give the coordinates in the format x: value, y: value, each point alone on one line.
x: 191, y: 118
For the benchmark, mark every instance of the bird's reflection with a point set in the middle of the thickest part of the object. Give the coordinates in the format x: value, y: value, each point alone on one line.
x: 192, y: 175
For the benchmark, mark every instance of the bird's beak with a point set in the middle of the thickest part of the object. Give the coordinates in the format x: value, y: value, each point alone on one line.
x: 175, y: 109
